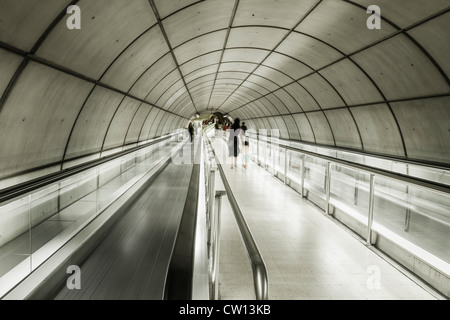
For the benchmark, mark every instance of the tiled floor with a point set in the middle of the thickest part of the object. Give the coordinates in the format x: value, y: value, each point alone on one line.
x: 308, y: 255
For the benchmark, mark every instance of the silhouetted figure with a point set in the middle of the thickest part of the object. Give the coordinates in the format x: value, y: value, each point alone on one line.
x: 191, y: 131
x: 233, y: 141
x: 245, y: 149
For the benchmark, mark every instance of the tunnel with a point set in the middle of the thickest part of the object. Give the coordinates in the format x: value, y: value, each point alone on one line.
x: 83, y: 80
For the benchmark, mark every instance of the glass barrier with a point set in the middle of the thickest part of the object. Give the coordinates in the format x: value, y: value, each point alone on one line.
x: 34, y: 226
x: 349, y: 191
x: 414, y: 215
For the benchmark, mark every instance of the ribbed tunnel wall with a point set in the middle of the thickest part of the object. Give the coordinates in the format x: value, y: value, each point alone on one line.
x: 138, y: 69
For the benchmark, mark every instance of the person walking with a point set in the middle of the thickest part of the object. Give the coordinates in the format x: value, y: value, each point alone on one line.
x: 235, y: 133
x: 191, y: 131
x: 245, y: 149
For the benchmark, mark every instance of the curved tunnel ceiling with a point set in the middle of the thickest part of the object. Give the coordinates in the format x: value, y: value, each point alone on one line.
x: 138, y: 69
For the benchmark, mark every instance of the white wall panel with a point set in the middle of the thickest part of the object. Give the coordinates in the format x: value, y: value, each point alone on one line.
x: 120, y: 123
x: 378, y: 129
x: 425, y: 125
x: 102, y: 37
x: 36, y: 120
x: 344, y: 128
x: 92, y: 123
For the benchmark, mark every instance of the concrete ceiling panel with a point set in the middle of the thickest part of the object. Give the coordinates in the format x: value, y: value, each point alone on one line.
x: 250, y: 92
x: 166, y: 105
x: 153, y: 76
x: 273, y: 127
x: 166, y: 124
x: 279, y: 13
x: 164, y: 85
x: 304, y: 127
x: 210, y: 70
x: 23, y: 22
x: 206, y: 60
x: 303, y: 98
x: 344, y: 128
x: 149, y: 128
x: 281, y: 125
x: 281, y: 107
x: 404, y: 14
x: 9, y: 63
x: 197, y: 20
x: 161, y: 124
x: 273, y: 108
x: 136, y: 60
x: 308, y: 50
x: 343, y: 26
x: 266, y: 111
x: 425, y: 125
x: 166, y: 8
x: 321, y: 128
x: 179, y: 104
x: 172, y: 90
x: 287, y: 65
x: 313, y: 59
x: 202, y: 81
x: 137, y: 123
x: 351, y: 83
x: 228, y: 83
x: 238, y: 66
x: 253, y: 111
x: 378, y: 129
x: 102, y: 37
x: 120, y: 123
x: 322, y: 91
x: 255, y: 37
x: 199, y: 46
x: 232, y: 75
x: 290, y: 103
x: 242, y: 97
x: 439, y: 44
x: 93, y: 121
x: 266, y: 83
x: 258, y: 87
x: 245, y: 55
x: 266, y: 125
x: 241, y: 113
x: 37, y: 118
x: 292, y: 127
x: 273, y: 75
x: 254, y: 124
x: 401, y: 70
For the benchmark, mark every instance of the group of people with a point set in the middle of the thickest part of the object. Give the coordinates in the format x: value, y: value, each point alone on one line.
x: 237, y: 137
x: 237, y: 133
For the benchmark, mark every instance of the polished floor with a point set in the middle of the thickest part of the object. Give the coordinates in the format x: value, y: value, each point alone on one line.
x: 308, y: 255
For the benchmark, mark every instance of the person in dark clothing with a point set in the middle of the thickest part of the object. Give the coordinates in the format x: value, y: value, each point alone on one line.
x: 216, y: 127
x: 245, y: 151
x: 191, y: 131
x: 244, y: 127
x: 233, y: 141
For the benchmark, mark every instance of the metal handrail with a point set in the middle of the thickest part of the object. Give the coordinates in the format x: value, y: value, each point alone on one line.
x: 29, y: 186
x: 260, y: 278
x: 398, y: 176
